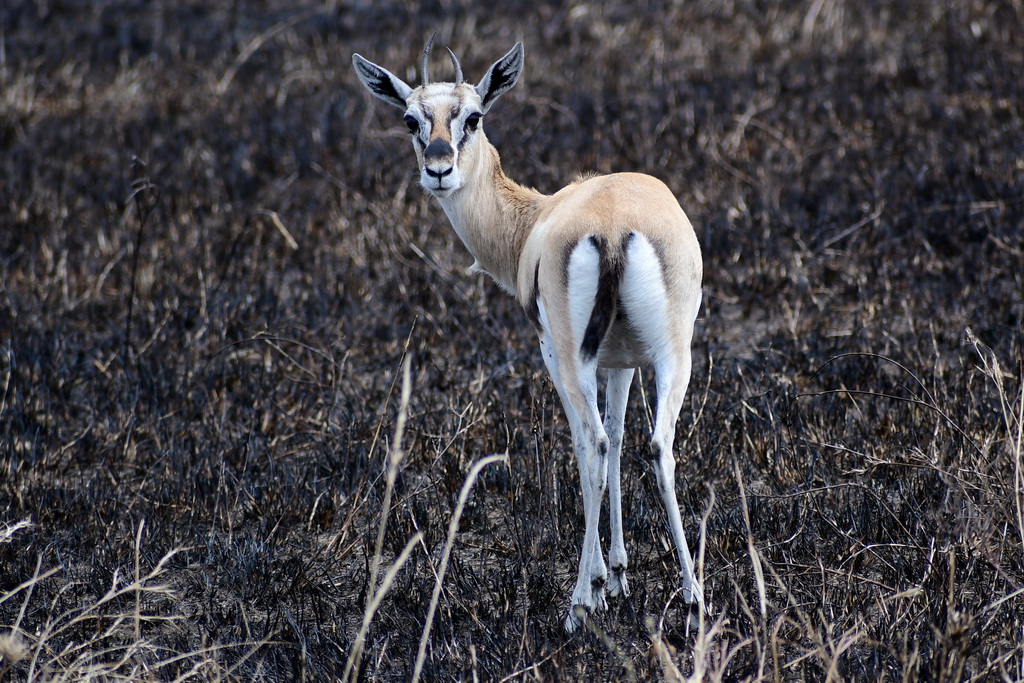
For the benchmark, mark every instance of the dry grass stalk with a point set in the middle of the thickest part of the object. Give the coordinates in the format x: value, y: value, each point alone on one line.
x: 453, y: 527
x: 375, y: 595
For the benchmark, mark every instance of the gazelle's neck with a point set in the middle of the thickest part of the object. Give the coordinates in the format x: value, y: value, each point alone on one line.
x: 492, y: 215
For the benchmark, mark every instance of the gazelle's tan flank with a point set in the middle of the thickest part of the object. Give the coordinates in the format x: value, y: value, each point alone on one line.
x: 608, y: 270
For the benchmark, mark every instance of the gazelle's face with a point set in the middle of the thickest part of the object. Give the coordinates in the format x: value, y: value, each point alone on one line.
x: 444, y: 120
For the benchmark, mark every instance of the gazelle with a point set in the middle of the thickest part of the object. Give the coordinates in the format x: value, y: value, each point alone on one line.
x: 608, y: 270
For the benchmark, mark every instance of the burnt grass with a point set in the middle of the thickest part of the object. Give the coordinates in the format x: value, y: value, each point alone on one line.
x: 214, y: 259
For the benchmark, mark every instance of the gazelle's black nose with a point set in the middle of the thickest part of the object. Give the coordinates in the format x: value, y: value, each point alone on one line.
x: 438, y: 149
x: 439, y: 174
x: 438, y: 157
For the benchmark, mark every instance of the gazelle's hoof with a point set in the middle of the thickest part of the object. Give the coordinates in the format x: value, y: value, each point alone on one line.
x: 585, y: 600
x: 617, y: 584
x: 694, y: 598
x: 577, y: 615
x: 598, y: 601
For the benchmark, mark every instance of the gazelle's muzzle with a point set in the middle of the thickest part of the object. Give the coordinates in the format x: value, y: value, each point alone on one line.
x: 438, y: 165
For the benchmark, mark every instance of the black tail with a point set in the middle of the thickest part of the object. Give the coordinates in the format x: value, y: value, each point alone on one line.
x: 612, y: 264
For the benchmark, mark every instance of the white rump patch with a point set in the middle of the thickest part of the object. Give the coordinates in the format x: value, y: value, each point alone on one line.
x: 645, y: 299
x: 583, y: 274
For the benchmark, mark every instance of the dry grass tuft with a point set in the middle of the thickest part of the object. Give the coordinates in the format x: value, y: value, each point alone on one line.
x: 100, y: 638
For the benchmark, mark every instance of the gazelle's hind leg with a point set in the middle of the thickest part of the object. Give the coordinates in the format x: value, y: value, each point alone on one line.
x: 591, y: 445
x: 574, y: 374
x: 614, y: 419
x: 665, y: 330
x: 672, y: 375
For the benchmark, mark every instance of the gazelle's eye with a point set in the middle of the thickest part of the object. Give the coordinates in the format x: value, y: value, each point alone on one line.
x: 472, y: 121
x: 414, y: 125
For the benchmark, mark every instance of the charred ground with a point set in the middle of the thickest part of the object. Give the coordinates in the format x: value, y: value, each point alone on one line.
x: 214, y: 257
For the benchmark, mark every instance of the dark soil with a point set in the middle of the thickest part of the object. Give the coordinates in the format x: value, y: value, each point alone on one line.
x: 214, y: 258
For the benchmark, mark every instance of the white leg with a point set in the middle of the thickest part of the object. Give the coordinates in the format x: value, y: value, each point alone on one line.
x: 592, y: 455
x: 646, y: 300
x: 614, y: 418
x: 673, y: 376
x: 547, y: 351
x: 591, y: 446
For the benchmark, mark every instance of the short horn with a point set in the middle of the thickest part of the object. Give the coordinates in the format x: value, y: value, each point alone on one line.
x: 426, y: 59
x: 455, y: 63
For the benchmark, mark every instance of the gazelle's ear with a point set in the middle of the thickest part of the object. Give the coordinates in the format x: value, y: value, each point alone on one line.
x: 502, y: 75
x: 381, y: 82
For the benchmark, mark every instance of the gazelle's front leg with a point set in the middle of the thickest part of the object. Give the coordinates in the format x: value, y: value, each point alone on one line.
x: 591, y: 445
x: 614, y: 420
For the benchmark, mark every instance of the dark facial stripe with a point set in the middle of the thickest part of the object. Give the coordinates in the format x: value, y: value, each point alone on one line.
x: 463, y: 139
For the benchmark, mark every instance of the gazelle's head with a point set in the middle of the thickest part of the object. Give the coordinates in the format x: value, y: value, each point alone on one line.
x: 444, y: 118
